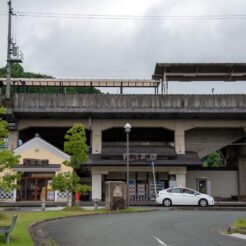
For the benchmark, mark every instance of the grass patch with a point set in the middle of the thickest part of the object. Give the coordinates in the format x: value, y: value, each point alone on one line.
x: 239, y: 226
x: 131, y: 210
x: 20, y: 235
x: 240, y: 223
x: 73, y: 209
x: 3, y: 216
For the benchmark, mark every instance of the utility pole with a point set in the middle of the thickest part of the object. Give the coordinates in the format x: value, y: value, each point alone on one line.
x: 14, y: 55
x: 8, y: 81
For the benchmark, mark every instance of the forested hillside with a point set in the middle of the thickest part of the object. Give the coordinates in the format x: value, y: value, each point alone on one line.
x: 17, y: 71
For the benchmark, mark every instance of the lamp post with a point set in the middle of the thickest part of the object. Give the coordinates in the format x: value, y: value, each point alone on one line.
x: 128, y: 128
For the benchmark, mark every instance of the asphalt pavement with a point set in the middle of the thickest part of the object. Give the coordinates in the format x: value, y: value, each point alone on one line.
x: 159, y: 228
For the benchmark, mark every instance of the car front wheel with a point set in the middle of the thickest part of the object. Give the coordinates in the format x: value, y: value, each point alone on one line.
x: 167, y: 202
x: 203, y: 203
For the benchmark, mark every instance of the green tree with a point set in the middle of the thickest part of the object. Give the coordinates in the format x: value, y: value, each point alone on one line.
x: 70, y: 183
x: 17, y: 71
x: 75, y: 145
x: 213, y: 160
x: 8, y: 180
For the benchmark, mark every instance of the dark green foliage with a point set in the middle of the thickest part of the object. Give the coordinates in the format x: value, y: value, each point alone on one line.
x: 7, y: 160
x: 17, y: 71
x: 82, y: 90
x: 213, y: 160
x: 3, y: 126
x: 76, y: 146
x: 69, y: 182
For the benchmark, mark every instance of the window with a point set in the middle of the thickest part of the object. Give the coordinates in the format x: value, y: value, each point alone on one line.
x: 187, y: 191
x: 174, y: 190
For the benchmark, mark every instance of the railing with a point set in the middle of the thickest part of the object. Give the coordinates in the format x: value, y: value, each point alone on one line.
x: 62, y: 196
x: 139, y: 198
x: 7, y: 195
x: 59, y: 102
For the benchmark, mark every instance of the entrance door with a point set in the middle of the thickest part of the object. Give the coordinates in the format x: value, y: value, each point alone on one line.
x: 41, y: 189
x: 31, y: 189
x: 202, y: 186
x: 22, y: 192
x: 35, y: 189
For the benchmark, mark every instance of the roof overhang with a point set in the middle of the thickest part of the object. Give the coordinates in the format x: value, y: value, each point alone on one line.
x: 185, y: 72
x: 38, y: 169
x: 188, y: 159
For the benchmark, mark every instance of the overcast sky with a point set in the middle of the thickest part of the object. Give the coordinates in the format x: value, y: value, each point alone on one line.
x: 127, y: 48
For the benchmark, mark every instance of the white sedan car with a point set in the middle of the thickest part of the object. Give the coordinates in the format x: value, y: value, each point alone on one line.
x: 183, y: 196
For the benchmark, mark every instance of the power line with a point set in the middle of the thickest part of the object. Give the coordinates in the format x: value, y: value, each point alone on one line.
x: 130, y: 17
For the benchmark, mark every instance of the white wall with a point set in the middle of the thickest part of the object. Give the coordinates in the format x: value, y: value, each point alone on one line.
x: 181, y: 180
x: 224, y: 184
x: 96, y: 186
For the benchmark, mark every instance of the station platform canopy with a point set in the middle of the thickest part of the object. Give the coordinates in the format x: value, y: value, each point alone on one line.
x: 163, y: 74
x: 200, y: 72
x: 82, y: 82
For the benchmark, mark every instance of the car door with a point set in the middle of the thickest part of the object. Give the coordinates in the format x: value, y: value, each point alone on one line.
x: 189, y: 197
x: 175, y: 196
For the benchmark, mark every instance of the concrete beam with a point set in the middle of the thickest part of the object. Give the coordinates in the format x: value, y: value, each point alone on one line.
x: 66, y: 123
x: 107, y: 124
x: 188, y: 104
x: 207, y: 140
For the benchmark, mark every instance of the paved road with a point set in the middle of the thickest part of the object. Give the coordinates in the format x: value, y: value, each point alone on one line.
x: 162, y: 228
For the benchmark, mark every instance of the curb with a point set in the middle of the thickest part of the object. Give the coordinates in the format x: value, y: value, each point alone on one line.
x: 233, y: 229
x: 196, y: 208
x: 226, y: 231
x: 208, y: 208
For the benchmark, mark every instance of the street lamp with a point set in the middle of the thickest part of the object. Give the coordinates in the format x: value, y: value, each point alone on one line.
x: 128, y: 128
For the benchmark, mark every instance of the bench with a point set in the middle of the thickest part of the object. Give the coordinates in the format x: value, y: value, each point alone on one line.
x: 6, y: 229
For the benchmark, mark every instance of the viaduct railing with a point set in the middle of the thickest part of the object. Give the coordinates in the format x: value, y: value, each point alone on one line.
x: 32, y: 102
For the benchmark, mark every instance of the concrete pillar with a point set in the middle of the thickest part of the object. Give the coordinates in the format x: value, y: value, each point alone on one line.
x: 179, y: 139
x: 242, y: 178
x: 172, y: 181
x: 181, y: 180
x: 96, y: 186
x: 14, y: 199
x: 13, y: 139
x: 96, y: 139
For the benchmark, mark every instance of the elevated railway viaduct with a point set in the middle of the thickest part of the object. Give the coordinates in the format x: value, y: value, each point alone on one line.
x: 191, y: 124
x: 176, y: 130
